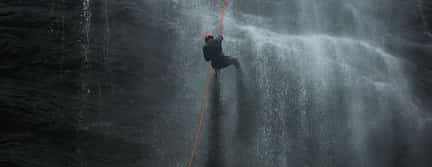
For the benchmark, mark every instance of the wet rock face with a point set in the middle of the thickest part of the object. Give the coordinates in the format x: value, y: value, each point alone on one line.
x: 85, y: 83
x: 39, y: 92
x: 55, y: 81
x: 37, y: 38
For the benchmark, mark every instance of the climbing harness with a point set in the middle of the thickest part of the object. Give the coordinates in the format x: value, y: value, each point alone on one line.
x: 204, y: 98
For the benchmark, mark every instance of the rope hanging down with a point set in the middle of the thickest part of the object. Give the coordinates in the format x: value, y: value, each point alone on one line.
x: 206, y: 90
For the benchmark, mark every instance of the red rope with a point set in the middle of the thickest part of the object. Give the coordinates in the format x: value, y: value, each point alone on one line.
x: 206, y: 90
x: 201, y: 118
x: 222, y: 17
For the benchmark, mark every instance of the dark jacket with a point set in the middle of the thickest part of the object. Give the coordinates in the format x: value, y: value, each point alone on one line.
x: 213, y: 48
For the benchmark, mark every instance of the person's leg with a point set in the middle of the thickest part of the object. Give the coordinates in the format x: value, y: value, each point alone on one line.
x: 236, y: 63
x: 233, y: 61
x: 225, y: 61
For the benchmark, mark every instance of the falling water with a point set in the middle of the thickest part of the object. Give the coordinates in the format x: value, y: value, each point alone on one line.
x: 107, y: 35
x: 324, y: 98
x: 85, y: 28
x: 85, y: 44
x: 320, y: 91
x: 63, y: 38
x: 85, y: 91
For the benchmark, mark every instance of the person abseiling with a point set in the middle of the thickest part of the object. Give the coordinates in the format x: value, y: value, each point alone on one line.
x: 213, y: 52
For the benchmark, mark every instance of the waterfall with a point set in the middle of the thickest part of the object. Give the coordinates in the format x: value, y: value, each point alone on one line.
x: 338, y: 91
x: 85, y: 48
x: 320, y: 88
x: 107, y: 35
x: 85, y: 23
x: 85, y: 28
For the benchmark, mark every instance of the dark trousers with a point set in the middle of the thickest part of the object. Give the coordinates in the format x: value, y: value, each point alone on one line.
x: 223, y: 61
